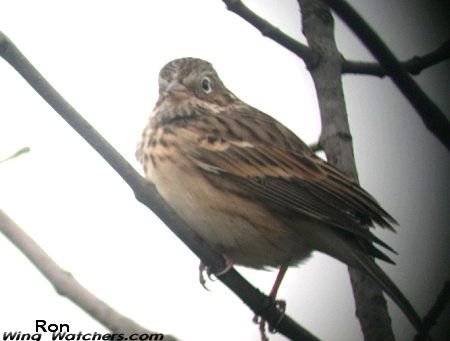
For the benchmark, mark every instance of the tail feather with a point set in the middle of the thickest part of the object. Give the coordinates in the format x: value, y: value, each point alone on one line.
x: 368, y: 265
x: 359, y: 254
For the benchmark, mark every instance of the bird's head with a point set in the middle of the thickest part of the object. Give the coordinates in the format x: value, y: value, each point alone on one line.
x: 192, y: 79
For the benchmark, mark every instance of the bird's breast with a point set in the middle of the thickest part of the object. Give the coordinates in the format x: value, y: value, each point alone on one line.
x: 238, y: 227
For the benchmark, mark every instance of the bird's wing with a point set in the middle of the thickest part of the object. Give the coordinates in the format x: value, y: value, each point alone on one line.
x: 294, y: 181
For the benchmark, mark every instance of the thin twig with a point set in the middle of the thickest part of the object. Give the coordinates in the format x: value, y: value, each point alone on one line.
x: 268, y: 30
x: 66, y: 285
x: 21, y: 151
x: 433, y: 118
x: 147, y: 194
x: 414, y: 65
x: 316, y: 147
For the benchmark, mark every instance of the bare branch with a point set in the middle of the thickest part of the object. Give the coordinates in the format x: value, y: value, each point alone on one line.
x: 268, y: 30
x: 414, y: 65
x: 318, y: 28
x: 433, y: 118
x: 66, y: 285
x: 436, y: 310
x: 315, y: 147
x: 147, y: 194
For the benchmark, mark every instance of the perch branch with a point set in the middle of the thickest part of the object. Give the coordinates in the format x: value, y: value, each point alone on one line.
x: 433, y: 118
x: 147, y: 194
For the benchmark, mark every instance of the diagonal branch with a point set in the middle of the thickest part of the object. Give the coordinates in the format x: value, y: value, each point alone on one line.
x: 414, y: 65
x: 66, y: 285
x: 433, y: 118
x: 147, y: 194
x: 430, y: 319
x: 268, y: 30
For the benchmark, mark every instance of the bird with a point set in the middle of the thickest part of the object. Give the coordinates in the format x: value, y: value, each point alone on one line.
x: 251, y: 188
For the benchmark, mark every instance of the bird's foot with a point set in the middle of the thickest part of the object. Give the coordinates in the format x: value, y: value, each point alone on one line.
x: 204, y: 268
x: 201, y: 270
x: 262, y: 327
x: 281, y: 306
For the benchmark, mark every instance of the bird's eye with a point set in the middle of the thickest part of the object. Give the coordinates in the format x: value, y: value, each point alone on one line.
x: 206, y: 85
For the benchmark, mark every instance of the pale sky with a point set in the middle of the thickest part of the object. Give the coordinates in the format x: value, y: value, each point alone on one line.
x: 104, y: 58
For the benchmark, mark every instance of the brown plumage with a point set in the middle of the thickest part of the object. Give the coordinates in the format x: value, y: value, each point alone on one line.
x: 250, y: 187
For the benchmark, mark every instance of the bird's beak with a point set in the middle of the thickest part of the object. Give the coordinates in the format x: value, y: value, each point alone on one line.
x: 177, y: 91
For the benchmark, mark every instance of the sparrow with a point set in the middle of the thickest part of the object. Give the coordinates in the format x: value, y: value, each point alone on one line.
x: 250, y: 187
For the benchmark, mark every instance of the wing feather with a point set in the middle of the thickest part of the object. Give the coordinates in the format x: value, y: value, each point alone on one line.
x: 273, y: 165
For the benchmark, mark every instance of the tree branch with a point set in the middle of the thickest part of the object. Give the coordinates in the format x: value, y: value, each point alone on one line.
x: 336, y: 141
x: 436, y: 310
x: 268, y: 30
x: 147, y: 194
x: 66, y: 285
x: 433, y: 118
x: 414, y: 65
x: 315, y: 147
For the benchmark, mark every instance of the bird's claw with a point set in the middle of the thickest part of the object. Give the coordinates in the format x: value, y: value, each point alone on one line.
x: 204, y: 268
x: 281, y: 306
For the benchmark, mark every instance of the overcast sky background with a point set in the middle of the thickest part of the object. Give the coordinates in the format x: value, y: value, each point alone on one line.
x: 104, y: 58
